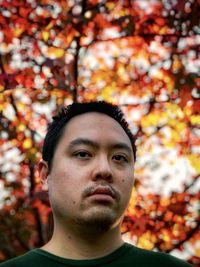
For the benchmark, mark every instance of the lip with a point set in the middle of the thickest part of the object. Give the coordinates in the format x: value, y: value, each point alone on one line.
x: 102, y: 192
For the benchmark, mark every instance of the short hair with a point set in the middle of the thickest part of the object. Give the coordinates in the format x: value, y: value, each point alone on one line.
x: 56, y: 127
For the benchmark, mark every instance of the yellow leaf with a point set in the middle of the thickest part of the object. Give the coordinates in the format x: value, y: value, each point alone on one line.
x: 18, y: 32
x: 54, y: 52
x: 180, y: 126
x: 175, y: 135
x: 21, y: 106
x: 197, y: 252
x: 21, y: 127
x: 150, y: 120
x: 121, y: 71
x: 110, y: 6
x: 195, y: 119
x: 166, y: 237
x: 165, y: 202
x: 45, y: 35
x: 1, y: 107
x: 194, y: 160
x: 145, y: 241
x: 177, y: 64
x: 50, y: 25
x: 123, y: 12
x: 27, y: 143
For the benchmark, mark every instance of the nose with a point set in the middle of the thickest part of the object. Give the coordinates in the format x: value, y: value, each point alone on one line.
x: 102, y: 170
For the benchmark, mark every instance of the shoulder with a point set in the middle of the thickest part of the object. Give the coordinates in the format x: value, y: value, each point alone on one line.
x: 25, y: 260
x: 156, y: 259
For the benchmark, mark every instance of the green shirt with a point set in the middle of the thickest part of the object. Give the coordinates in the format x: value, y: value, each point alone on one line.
x: 126, y: 255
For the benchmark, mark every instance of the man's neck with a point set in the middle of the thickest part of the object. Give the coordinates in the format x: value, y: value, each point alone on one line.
x: 84, y: 245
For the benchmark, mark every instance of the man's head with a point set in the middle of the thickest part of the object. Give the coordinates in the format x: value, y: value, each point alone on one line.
x: 88, y: 163
x: 56, y: 127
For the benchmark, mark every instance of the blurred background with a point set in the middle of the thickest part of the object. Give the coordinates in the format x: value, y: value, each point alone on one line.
x: 142, y: 55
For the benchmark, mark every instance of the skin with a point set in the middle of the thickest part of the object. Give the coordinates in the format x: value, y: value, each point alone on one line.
x: 94, y: 153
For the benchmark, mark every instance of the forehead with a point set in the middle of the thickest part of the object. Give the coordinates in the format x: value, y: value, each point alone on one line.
x: 95, y: 125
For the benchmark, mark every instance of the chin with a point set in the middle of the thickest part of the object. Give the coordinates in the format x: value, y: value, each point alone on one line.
x: 98, y: 220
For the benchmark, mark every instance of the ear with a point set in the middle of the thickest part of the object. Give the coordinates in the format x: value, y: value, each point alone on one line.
x: 43, y: 171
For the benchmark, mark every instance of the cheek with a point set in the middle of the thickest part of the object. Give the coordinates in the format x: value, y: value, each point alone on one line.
x: 64, y: 194
x: 127, y: 191
x: 60, y: 183
x: 67, y: 181
x: 127, y: 179
x: 127, y: 184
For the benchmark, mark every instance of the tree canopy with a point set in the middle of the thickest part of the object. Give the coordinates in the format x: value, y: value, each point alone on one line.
x: 141, y: 55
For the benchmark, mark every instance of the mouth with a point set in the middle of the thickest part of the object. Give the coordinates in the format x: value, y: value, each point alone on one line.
x: 103, y: 193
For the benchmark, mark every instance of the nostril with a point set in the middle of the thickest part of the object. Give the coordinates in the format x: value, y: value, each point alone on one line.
x: 104, y: 175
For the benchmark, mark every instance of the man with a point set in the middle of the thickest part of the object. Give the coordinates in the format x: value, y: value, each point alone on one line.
x: 88, y: 161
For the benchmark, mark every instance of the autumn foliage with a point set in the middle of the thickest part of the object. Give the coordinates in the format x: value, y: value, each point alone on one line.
x: 142, y: 55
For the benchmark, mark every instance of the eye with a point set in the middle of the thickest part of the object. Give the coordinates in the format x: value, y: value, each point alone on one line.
x: 120, y: 158
x: 82, y: 155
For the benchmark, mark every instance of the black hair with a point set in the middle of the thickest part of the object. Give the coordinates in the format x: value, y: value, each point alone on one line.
x: 56, y: 127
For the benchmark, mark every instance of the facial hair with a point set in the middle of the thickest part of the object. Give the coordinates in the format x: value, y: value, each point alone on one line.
x: 103, y: 215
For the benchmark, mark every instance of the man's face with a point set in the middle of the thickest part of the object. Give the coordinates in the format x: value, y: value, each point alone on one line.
x: 92, y: 172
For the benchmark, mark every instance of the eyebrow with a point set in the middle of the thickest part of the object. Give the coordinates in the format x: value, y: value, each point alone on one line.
x: 83, y: 141
x: 122, y: 145
x: 88, y: 142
